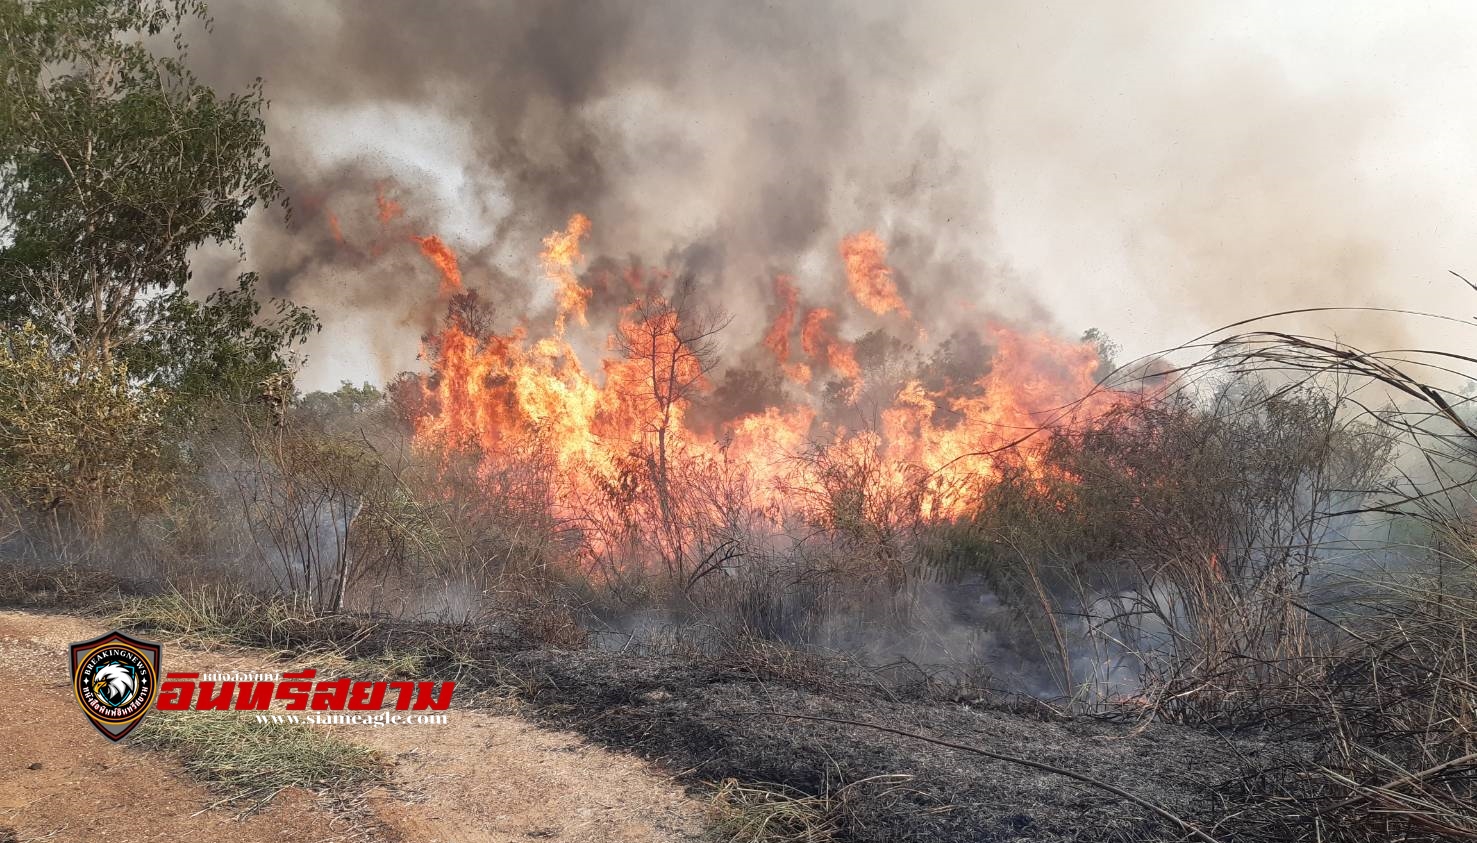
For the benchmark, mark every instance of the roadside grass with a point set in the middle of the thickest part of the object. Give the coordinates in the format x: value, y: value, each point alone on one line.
x: 216, y: 616
x: 409, y: 663
x: 246, y: 761
x: 211, y: 617
x: 67, y: 587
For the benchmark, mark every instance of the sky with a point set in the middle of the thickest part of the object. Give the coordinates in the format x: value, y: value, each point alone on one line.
x: 1154, y: 170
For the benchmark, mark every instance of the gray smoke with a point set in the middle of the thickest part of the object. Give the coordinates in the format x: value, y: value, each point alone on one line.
x: 1163, y: 168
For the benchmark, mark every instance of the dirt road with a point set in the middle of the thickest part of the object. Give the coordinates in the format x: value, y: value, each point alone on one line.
x: 484, y: 777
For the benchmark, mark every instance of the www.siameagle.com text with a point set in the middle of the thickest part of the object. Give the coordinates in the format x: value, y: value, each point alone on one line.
x: 374, y: 721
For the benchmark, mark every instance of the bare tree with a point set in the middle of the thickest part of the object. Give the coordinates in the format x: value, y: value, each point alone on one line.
x: 670, y: 347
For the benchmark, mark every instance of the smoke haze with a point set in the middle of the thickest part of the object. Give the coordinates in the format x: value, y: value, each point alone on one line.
x: 1154, y: 170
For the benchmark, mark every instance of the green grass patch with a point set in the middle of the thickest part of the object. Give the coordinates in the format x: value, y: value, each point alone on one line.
x: 246, y: 760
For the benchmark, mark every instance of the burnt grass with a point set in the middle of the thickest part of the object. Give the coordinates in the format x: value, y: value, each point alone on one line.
x: 715, y: 721
x: 710, y: 716
x: 715, y: 716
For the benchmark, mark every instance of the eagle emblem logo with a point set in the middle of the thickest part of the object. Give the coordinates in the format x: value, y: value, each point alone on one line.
x: 115, y: 678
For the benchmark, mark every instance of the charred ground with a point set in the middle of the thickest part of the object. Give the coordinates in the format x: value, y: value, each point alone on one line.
x: 719, y: 720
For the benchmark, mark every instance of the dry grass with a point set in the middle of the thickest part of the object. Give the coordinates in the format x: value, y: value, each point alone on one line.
x: 746, y: 812
x: 66, y: 587
x: 250, y: 762
x: 1372, y: 664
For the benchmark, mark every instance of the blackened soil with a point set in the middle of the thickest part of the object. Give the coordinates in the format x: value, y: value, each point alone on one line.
x: 704, y: 717
x: 711, y: 718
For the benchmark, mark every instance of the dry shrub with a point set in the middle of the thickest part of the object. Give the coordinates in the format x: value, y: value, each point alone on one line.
x: 1163, y: 545
x: 1378, y: 689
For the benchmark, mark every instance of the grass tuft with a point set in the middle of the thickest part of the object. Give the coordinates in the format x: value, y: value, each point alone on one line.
x: 746, y: 812
x: 245, y: 760
x: 749, y: 813
x: 51, y: 588
x: 214, y: 616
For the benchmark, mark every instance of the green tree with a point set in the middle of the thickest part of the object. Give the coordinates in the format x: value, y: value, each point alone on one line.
x: 75, y: 437
x: 220, y: 346
x: 115, y: 164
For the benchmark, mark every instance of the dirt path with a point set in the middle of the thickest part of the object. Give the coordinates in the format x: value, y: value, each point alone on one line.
x: 484, y: 777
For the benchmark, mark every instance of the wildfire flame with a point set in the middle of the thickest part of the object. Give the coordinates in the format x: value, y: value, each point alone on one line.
x: 561, y: 253
x: 777, y: 340
x: 441, y: 256
x: 821, y: 344
x: 627, y: 429
x: 334, y: 229
x: 868, y: 275
x: 388, y: 209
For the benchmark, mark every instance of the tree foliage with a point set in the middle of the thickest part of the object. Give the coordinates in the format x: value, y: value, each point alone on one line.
x: 116, y: 163
x: 74, y: 435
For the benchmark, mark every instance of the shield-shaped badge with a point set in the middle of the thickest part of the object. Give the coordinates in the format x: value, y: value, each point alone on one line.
x: 115, y: 679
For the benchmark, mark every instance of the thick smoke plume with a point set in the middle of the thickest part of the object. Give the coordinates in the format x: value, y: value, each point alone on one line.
x: 727, y: 141
x: 1150, y: 169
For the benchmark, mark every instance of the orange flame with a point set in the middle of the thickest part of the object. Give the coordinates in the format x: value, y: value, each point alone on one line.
x: 388, y: 208
x: 561, y: 252
x: 777, y: 340
x: 622, y: 430
x: 868, y: 276
x: 820, y: 343
x: 333, y: 228
x: 439, y: 254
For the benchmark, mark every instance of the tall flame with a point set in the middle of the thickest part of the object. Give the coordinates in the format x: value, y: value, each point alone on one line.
x: 627, y: 432
x: 388, y: 209
x: 561, y: 253
x: 334, y: 229
x: 777, y: 340
x: 821, y: 344
x: 441, y: 256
